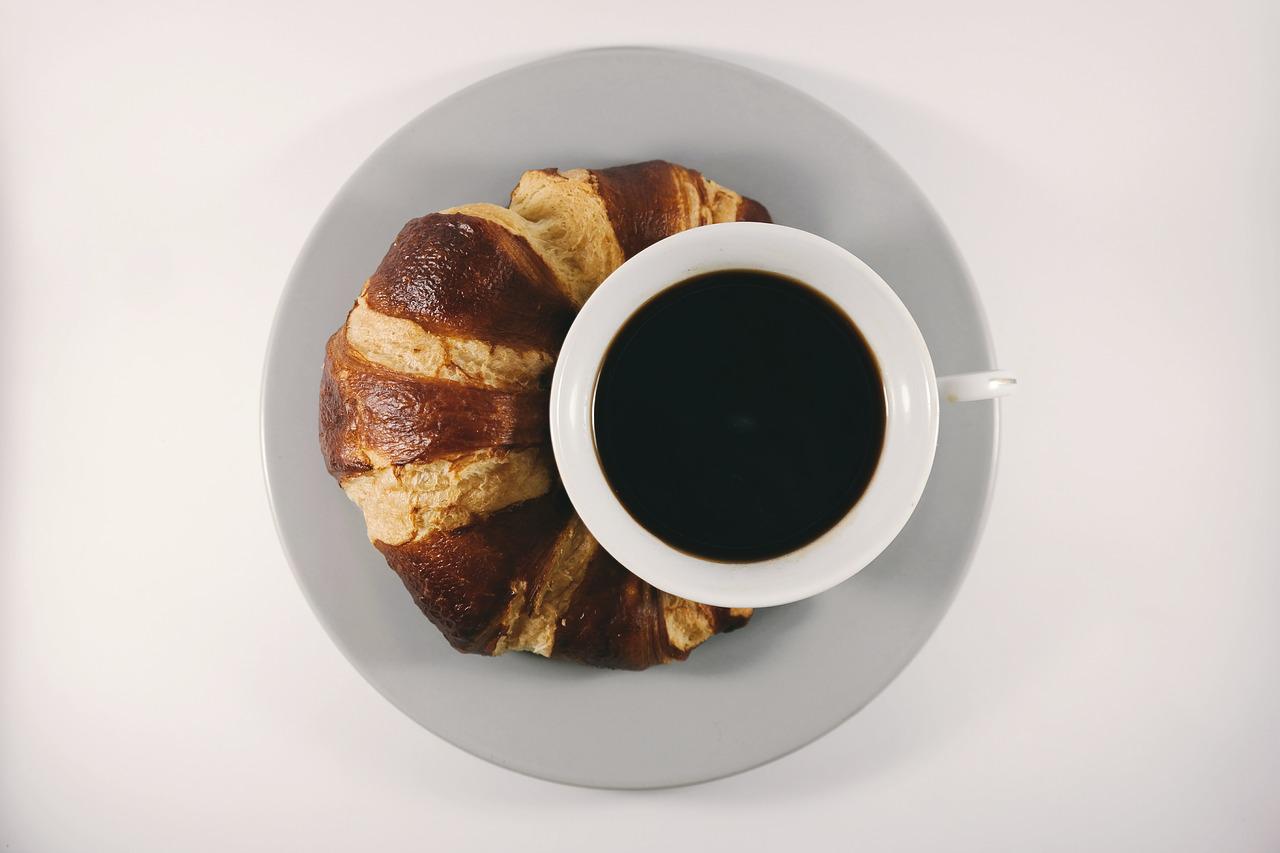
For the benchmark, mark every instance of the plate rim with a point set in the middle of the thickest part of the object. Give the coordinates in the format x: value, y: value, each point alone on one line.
x: 963, y: 562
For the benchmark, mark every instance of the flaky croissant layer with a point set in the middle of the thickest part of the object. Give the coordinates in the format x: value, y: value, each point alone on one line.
x: 434, y: 404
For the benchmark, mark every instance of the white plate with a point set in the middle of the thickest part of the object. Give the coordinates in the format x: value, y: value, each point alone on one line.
x: 795, y: 672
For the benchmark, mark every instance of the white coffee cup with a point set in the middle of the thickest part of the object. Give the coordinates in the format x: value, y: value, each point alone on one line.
x: 911, y: 388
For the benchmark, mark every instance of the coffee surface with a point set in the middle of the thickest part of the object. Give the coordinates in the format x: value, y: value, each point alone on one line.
x: 739, y: 415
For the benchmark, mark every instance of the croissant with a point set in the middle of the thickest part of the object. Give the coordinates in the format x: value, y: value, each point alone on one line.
x: 434, y: 415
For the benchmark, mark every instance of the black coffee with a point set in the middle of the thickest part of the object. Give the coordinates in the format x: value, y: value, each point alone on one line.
x: 739, y: 415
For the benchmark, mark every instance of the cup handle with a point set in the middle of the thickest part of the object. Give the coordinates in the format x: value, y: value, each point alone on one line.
x: 987, y: 385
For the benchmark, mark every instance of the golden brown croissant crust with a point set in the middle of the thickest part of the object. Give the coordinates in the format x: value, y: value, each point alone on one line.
x: 434, y: 405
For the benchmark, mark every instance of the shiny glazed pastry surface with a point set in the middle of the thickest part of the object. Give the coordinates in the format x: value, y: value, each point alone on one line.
x: 434, y: 405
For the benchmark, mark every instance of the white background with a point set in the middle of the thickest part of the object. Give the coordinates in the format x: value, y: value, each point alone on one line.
x: 1109, y: 677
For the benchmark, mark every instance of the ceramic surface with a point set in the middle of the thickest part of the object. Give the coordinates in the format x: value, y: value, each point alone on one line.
x: 796, y: 671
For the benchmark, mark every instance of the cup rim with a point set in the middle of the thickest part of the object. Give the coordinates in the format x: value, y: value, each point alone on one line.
x: 911, y: 424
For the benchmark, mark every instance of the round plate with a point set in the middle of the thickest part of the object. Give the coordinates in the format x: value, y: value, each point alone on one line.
x: 794, y: 672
